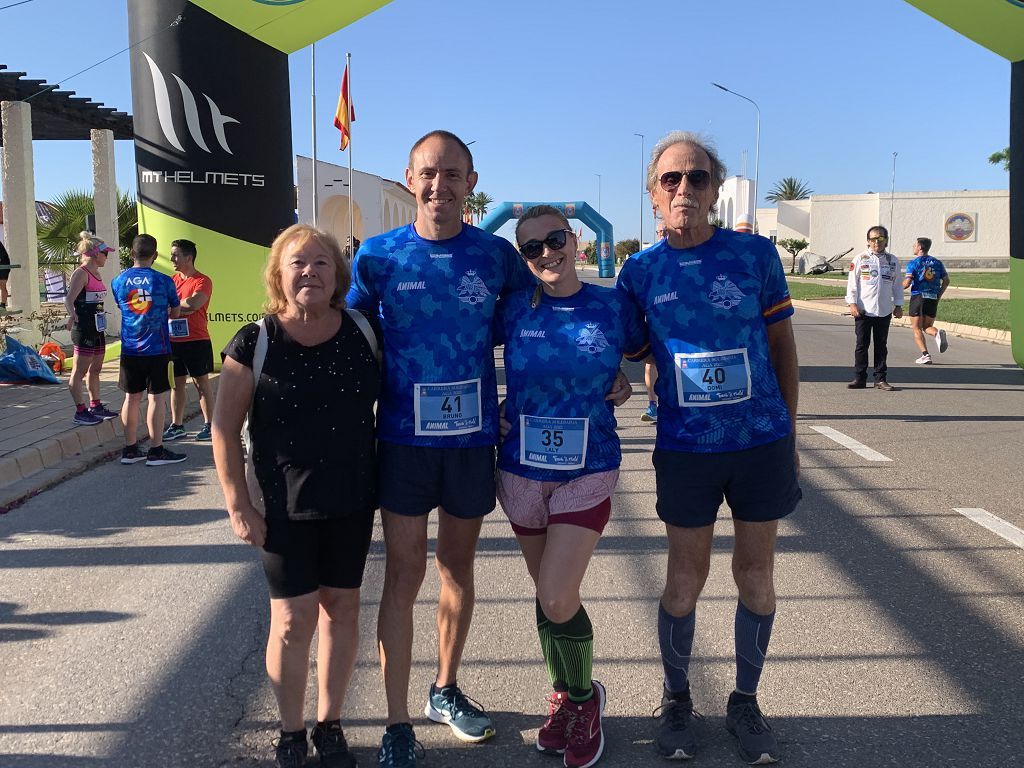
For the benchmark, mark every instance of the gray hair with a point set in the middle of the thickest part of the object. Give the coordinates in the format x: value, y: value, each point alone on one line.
x: 694, y: 140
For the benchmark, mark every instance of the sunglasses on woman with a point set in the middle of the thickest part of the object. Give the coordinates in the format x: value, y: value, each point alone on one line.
x: 554, y: 240
x: 698, y: 179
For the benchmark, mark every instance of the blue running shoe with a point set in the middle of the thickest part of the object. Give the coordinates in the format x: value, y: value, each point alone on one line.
x: 651, y: 414
x: 755, y: 741
x: 398, y: 747
x: 465, y: 717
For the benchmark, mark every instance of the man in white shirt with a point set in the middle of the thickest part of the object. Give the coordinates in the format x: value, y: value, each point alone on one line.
x: 874, y: 291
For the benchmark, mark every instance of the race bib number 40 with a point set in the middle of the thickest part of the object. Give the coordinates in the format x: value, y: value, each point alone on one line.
x: 452, y: 408
x: 712, y: 378
x: 553, y: 443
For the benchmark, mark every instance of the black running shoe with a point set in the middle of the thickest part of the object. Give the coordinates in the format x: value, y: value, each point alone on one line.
x: 159, y: 456
x: 132, y: 455
x: 291, y: 750
x: 399, y: 748
x: 330, y: 745
x: 755, y: 741
x: 674, y: 738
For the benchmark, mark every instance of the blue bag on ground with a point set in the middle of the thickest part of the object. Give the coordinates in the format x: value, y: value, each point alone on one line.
x: 19, y: 363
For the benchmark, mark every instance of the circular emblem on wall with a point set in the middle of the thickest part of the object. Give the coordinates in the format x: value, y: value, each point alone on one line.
x: 278, y: 2
x: 959, y: 227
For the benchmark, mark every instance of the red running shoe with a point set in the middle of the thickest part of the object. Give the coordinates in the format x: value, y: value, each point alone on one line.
x: 584, y: 737
x: 551, y: 737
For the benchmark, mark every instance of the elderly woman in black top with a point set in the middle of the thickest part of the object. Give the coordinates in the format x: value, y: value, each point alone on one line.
x: 313, y: 451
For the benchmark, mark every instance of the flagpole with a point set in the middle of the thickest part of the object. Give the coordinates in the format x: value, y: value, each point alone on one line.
x: 316, y: 204
x: 351, y: 181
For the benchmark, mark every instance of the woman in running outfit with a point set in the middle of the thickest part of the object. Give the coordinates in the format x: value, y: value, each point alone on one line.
x: 87, y: 322
x: 558, y: 463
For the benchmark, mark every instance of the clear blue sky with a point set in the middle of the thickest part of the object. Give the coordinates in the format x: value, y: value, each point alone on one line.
x: 552, y: 92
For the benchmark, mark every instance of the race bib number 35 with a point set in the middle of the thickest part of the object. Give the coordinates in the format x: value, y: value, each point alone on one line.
x: 451, y: 408
x: 553, y: 443
x: 712, y: 378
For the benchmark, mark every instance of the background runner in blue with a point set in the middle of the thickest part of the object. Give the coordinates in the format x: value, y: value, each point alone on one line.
x: 143, y: 296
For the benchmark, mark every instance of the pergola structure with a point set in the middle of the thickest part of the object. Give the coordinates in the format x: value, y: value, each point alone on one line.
x: 61, y: 115
x: 31, y: 110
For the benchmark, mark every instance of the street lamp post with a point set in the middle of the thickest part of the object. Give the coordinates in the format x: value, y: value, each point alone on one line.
x: 892, y: 197
x: 598, y: 192
x: 640, y: 242
x: 757, y: 147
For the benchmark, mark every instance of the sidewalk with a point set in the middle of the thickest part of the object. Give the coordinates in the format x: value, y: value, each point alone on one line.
x: 838, y: 306
x: 39, y: 444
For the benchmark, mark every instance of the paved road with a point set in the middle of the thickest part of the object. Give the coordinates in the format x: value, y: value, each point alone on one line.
x: 132, y: 624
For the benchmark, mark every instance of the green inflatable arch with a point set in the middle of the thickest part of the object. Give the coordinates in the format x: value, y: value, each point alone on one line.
x: 999, y: 26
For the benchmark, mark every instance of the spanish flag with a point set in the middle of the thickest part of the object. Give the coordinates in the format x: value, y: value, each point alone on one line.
x: 345, y: 115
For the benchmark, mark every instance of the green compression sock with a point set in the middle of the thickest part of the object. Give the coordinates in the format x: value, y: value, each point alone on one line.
x: 574, y: 643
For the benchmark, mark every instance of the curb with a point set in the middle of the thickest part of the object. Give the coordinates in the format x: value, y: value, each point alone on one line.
x: 975, y: 332
x: 29, y: 471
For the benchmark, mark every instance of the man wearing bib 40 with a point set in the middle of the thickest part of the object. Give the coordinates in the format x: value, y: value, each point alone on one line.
x: 718, y: 310
x: 435, y: 283
x: 559, y: 462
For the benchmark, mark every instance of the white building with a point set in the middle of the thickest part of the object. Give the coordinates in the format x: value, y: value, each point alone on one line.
x: 378, y: 204
x: 968, y: 228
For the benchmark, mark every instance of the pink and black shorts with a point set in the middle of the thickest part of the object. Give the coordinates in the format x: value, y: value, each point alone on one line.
x: 533, y: 505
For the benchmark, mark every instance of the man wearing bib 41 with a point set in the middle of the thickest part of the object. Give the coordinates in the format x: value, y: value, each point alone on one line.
x: 718, y: 311
x: 435, y: 283
x: 559, y: 462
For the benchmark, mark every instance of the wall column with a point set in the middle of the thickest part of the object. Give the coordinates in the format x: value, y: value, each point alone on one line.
x: 20, y: 215
x: 104, y: 185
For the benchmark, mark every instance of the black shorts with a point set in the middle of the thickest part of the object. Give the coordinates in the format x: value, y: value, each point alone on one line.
x: 192, y: 358
x: 300, y: 556
x: 142, y: 372
x: 4, y: 275
x: 414, y: 480
x: 759, y: 484
x: 90, y: 340
x: 919, y: 305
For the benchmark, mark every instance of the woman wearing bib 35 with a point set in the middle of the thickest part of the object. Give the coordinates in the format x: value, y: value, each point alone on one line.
x: 558, y: 464
x: 87, y: 323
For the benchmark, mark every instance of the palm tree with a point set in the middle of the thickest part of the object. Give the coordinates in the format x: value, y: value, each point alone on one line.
x: 789, y: 188
x: 483, y: 202
x: 1002, y: 156
x: 57, y: 229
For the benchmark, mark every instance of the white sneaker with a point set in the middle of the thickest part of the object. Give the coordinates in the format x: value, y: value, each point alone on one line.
x: 924, y: 359
x: 940, y: 338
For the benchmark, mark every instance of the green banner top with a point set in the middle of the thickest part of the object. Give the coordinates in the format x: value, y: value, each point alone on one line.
x: 996, y: 24
x: 290, y: 24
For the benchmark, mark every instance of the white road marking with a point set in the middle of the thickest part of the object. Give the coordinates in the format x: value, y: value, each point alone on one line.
x: 848, y: 442
x: 997, y: 525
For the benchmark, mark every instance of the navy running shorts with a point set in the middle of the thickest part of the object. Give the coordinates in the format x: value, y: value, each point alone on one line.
x: 142, y: 372
x: 415, y: 480
x: 192, y: 358
x: 919, y: 305
x: 759, y: 484
x: 300, y: 556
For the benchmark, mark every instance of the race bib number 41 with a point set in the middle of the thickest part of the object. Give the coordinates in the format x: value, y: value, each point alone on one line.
x: 553, y: 443
x: 452, y: 408
x: 712, y: 378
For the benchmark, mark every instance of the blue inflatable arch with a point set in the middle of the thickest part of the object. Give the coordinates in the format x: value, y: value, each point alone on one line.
x: 573, y: 210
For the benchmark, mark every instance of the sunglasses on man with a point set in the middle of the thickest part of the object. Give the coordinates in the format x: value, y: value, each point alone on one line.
x: 699, y: 179
x: 879, y: 239
x: 554, y: 240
